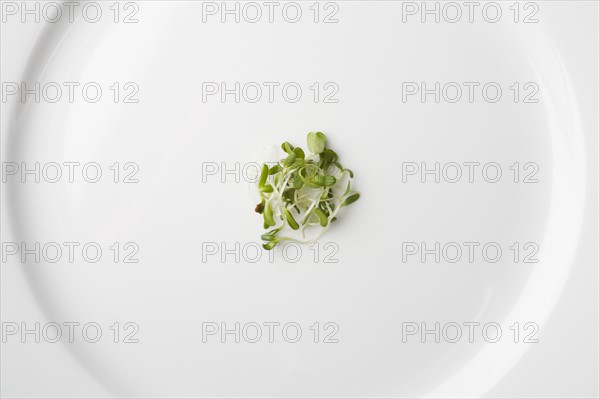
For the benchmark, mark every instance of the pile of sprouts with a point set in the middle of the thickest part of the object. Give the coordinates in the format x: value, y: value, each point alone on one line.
x: 302, y: 192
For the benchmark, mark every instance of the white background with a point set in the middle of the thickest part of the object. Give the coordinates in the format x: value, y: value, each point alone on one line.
x: 564, y: 363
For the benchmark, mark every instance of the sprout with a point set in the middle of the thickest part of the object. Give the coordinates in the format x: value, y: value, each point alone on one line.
x: 316, y: 142
x: 303, y: 191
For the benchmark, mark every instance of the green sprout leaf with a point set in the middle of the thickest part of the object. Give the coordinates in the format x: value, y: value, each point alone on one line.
x: 322, y: 217
x: 268, y: 215
x: 349, y: 200
x: 316, y: 142
x: 274, y: 169
x: 287, y: 147
x: 266, y: 189
x: 270, y: 236
x: 263, y: 176
x: 299, y: 153
x: 289, y: 161
x: 290, y: 219
x: 269, y: 245
x: 327, y: 181
x: 326, y: 158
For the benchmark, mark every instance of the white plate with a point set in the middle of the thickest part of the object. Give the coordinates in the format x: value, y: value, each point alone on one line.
x: 370, y: 292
